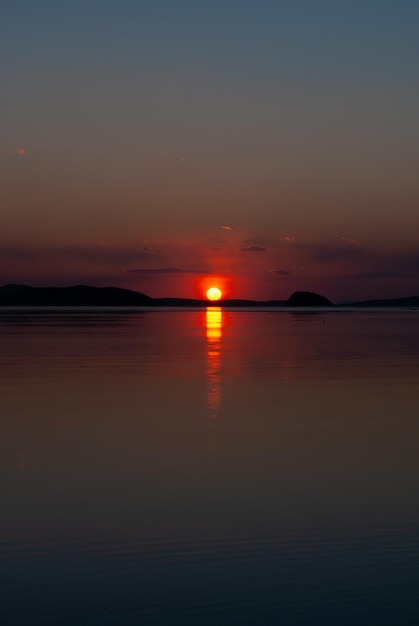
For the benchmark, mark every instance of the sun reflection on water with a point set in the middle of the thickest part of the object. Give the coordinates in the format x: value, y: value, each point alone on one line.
x: 214, y: 324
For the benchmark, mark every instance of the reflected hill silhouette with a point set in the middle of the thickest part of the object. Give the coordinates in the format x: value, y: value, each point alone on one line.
x: 84, y: 295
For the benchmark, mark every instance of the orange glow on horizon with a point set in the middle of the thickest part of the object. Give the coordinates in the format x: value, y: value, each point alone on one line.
x: 214, y: 293
x: 203, y: 283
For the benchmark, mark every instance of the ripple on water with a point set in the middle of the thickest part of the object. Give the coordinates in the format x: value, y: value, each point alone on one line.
x: 297, y: 578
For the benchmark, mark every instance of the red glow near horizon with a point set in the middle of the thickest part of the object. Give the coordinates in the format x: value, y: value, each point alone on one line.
x: 204, y: 284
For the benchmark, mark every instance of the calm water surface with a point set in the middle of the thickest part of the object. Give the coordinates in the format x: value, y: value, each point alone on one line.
x: 209, y: 468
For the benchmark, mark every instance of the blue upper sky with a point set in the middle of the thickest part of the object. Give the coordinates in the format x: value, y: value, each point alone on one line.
x: 336, y: 39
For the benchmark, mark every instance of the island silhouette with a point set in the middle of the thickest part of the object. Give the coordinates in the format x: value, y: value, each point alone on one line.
x: 83, y: 295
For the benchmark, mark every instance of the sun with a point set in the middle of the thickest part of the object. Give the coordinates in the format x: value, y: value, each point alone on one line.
x: 213, y: 293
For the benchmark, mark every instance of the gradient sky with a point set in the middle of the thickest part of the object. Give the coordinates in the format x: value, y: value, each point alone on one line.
x: 151, y: 143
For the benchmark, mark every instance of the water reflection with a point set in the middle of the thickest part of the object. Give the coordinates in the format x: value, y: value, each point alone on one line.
x: 214, y: 324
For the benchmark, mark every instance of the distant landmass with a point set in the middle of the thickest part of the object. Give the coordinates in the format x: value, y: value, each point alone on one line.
x: 388, y: 302
x: 80, y: 295
x: 84, y: 295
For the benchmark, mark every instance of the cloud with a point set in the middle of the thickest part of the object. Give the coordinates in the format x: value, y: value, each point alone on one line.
x: 408, y: 261
x: 104, y: 254
x: 272, y: 244
x: 281, y: 272
x: 7, y: 149
x: 163, y: 270
x: 108, y: 253
x: 350, y: 242
x: 227, y: 227
x: 376, y: 275
x: 9, y: 253
x: 354, y: 261
x: 253, y: 249
x: 327, y: 253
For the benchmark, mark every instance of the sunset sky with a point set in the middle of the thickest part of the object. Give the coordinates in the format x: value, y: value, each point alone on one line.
x: 149, y: 144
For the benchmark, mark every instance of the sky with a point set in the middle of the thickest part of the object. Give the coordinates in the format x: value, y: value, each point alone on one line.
x: 156, y: 145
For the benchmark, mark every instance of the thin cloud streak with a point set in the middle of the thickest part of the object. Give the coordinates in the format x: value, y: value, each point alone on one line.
x: 103, y: 254
x: 253, y: 249
x: 374, y: 275
x: 281, y: 272
x: 163, y: 270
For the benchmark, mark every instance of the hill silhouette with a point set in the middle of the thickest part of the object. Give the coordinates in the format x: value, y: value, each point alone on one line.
x: 84, y: 295
x: 79, y: 295
x: 307, y: 298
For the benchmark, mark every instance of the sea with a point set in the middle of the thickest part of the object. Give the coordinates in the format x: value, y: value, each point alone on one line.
x: 209, y: 467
